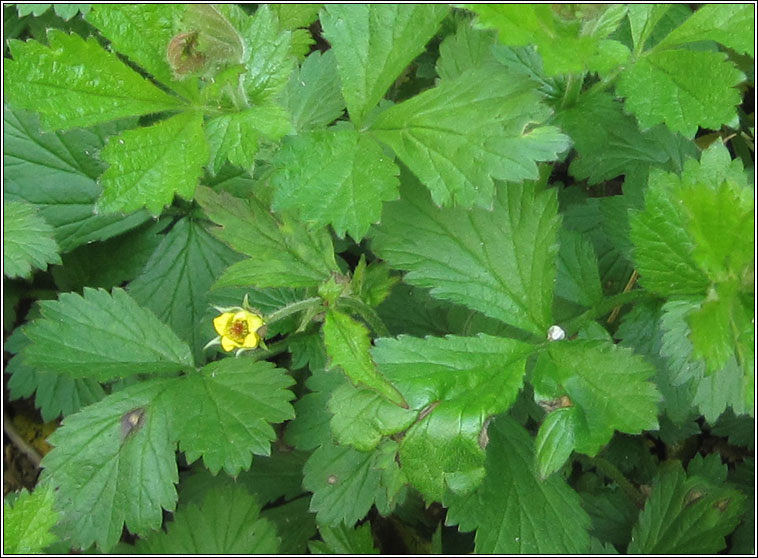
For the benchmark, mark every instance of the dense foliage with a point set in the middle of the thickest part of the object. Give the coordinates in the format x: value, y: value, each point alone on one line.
x: 357, y: 278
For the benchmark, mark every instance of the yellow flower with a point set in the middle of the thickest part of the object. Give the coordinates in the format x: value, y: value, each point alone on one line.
x: 238, y: 330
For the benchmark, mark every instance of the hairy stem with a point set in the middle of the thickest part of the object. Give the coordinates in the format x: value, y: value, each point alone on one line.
x: 368, y: 314
x: 293, y: 308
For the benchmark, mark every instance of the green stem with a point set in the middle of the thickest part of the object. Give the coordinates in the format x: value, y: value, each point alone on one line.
x: 605, y: 306
x: 367, y: 313
x: 613, y: 473
x: 293, y: 308
x: 272, y: 350
x: 573, y: 88
x: 604, y: 83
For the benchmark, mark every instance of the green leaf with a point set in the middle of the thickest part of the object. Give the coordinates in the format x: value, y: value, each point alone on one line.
x: 458, y: 136
x: 27, y: 523
x: 732, y: 25
x: 555, y: 441
x: 268, y: 59
x: 642, y: 20
x: 563, y: 43
x: 344, y: 540
x: 373, y: 44
x: 57, y: 172
x: 102, y: 336
x: 313, y: 96
x: 311, y: 426
x: 292, y: 16
x: 294, y: 520
x: 346, y: 482
x: 663, y: 248
x: 113, y: 464
x: 686, y: 514
x: 607, y: 385
x: 57, y: 394
x: 177, y: 278
x: 236, y: 136
x: 157, y: 24
x: 337, y: 177
x: 227, y: 522
x: 362, y: 417
x: 27, y: 240
x: 500, y: 262
x: 77, y: 83
x: 617, y: 147
x: 514, y: 511
x: 456, y: 383
x: 578, y: 278
x: 683, y: 89
x: 467, y: 48
x: 281, y: 253
x: 227, y: 409
x: 148, y: 165
x: 347, y: 344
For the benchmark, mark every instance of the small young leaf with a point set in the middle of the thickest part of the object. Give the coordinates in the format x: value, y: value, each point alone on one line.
x: 227, y: 522
x: 514, y: 511
x: 686, y: 515
x: 148, y: 165
x: 373, y: 43
x: 226, y: 410
x: 347, y: 344
x: 281, y: 253
x: 77, y: 83
x: 114, y: 463
x: 458, y: 136
x: 102, y: 336
x: 27, y: 523
x: 500, y: 262
x: 27, y: 240
x: 337, y: 177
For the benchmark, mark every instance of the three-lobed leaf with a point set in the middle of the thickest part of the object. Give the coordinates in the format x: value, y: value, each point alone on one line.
x: 335, y: 176
x: 226, y: 410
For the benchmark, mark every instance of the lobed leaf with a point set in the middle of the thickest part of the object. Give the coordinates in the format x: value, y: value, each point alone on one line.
x: 226, y: 411
x: 102, y: 336
x: 344, y: 540
x: 28, y: 522
x: 459, y: 136
x: 148, y: 165
x: 514, y: 511
x: 373, y: 43
x: 500, y: 262
x: 113, y: 464
x: 27, y: 240
x: 227, y: 522
x: 281, y: 253
x: 456, y: 383
x: 74, y: 82
x: 335, y: 176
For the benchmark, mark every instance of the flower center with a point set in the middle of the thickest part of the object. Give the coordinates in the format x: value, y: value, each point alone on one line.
x: 238, y: 330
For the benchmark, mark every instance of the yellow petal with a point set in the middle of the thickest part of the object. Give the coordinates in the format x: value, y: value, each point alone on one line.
x: 221, y: 322
x: 251, y: 341
x: 254, y: 322
x: 228, y: 344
